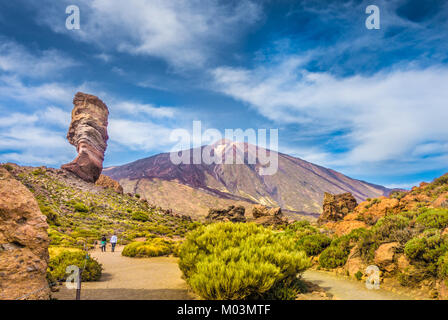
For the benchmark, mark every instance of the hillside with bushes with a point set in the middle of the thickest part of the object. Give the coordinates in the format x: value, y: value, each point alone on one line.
x: 405, y: 235
x: 80, y: 213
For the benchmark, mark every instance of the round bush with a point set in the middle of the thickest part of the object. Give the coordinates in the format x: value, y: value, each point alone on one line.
x: 229, y: 261
x: 152, y: 248
x: 426, y: 250
x: 434, y: 218
x: 140, y: 216
x: 314, y: 244
x: 333, y: 257
x: 442, y: 266
x: 58, y: 264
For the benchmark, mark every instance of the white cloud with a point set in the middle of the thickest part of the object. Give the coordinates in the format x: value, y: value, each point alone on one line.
x: 399, y: 115
x: 13, y: 88
x: 16, y: 59
x: 138, y: 135
x: 136, y: 108
x: 182, y: 32
x: 33, y: 141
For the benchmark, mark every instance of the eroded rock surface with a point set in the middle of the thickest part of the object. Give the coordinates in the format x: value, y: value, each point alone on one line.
x: 106, y: 182
x: 268, y: 216
x: 23, y: 242
x: 232, y: 214
x: 336, y: 207
x: 88, y: 133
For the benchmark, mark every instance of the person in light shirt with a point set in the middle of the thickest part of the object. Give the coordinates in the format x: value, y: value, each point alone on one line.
x: 113, y: 242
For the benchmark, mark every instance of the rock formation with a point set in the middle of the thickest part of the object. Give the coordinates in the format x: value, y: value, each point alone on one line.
x: 106, y: 182
x: 336, y: 207
x: 232, y: 214
x: 23, y: 242
x: 268, y: 216
x: 384, y: 256
x: 88, y: 133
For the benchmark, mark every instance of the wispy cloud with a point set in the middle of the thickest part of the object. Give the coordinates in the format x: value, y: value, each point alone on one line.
x: 16, y: 59
x: 394, y: 114
x: 184, y: 33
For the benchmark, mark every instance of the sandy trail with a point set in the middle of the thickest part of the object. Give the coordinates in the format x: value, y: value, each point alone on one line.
x: 126, y: 278
x: 342, y: 288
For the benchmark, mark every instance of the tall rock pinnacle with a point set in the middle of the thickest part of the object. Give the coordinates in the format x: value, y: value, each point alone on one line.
x: 88, y: 133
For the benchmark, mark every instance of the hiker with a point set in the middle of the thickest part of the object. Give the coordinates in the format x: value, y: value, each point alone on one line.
x: 113, y: 242
x: 103, y: 243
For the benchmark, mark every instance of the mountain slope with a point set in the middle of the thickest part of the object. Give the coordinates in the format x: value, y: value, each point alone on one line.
x: 191, y: 189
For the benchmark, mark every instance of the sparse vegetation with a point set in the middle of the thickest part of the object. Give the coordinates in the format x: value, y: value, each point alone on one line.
x: 79, y: 216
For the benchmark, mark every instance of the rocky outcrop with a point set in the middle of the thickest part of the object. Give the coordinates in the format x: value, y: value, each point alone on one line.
x: 109, y: 183
x: 232, y: 214
x: 384, y: 256
x: 268, y: 216
x: 336, y: 207
x: 88, y: 133
x: 23, y: 242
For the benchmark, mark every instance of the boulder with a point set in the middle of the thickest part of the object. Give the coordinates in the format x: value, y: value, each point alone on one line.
x: 336, y: 207
x: 232, y: 214
x: 23, y: 243
x: 259, y: 211
x: 88, y: 133
x: 384, y: 256
x: 268, y: 216
x: 109, y: 183
x: 354, y: 262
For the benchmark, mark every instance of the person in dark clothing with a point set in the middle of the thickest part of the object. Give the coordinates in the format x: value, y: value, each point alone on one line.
x: 103, y: 243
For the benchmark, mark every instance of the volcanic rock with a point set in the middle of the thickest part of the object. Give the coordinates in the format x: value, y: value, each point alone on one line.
x: 268, y: 216
x: 384, y: 256
x: 88, y: 133
x: 232, y: 214
x: 336, y: 207
x: 23, y: 243
x: 109, y: 183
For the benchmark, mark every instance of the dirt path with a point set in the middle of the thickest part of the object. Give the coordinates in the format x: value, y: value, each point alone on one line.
x: 342, y: 288
x: 126, y: 278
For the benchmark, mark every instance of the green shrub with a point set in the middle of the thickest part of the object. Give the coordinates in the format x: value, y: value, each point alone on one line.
x: 433, y: 218
x: 441, y: 180
x: 80, y: 207
x: 426, y: 251
x: 52, y: 216
x: 38, y: 172
x: 442, y: 266
x: 57, y: 266
x: 333, y: 257
x: 151, y: 248
x: 140, y: 216
x: 314, y: 244
x: 358, y: 275
x: 393, y: 228
x: 241, y: 261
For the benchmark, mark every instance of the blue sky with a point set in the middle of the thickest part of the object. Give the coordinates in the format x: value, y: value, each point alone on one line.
x: 371, y: 104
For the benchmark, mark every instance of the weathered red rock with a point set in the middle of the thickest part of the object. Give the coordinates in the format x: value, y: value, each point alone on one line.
x: 336, y: 207
x: 232, y: 213
x: 88, y: 133
x: 23, y: 243
x: 109, y: 183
